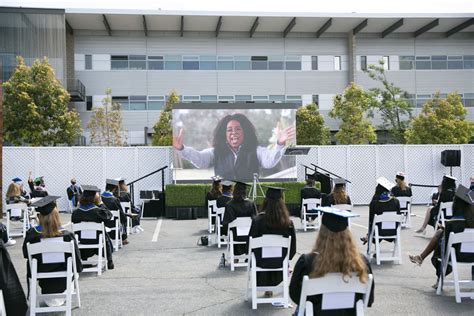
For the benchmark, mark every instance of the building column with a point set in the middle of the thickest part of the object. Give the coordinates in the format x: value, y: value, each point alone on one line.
x: 351, y: 52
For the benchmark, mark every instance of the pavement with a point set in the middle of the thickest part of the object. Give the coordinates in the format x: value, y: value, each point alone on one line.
x: 164, y: 272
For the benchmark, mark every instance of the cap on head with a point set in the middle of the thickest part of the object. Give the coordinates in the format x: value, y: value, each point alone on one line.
x: 227, y: 183
x: 334, y: 219
x: 45, y: 205
x: 38, y: 180
x: 89, y: 190
x: 385, y: 183
x: 239, y: 184
x: 400, y: 175
x: 339, y: 182
x: 216, y: 178
x: 274, y: 193
x: 311, y: 176
x: 465, y: 194
x: 449, y: 178
x: 16, y: 179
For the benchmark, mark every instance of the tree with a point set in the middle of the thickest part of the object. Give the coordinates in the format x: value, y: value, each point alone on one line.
x: 310, y: 126
x: 36, y: 107
x: 106, y: 123
x: 441, y: 121
x: 163, y: 132
x: 349, y: 108
x: 391, y: 103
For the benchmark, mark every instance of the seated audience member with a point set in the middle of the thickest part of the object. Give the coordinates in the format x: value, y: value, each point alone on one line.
x: 273, y: 219
x: 334, y: 234
x: 309, y: 192
x: 49, y: 227
x: 91, y: 209
x: 14, y: 194
x: 216, y: 191
x: 37, y: 186
x: 239, y: 206
x: 113, y: 204
x: 338, y: 194
x: 224, y: 199
x: 124, y: 196
x: 401, y: 188
x: 463, y: 217
x: 448, y: 187
x: 18, y: 181
x: 382, y: 202
x: 74, y: 191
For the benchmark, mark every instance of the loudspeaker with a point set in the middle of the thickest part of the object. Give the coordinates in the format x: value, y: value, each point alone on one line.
x: 451, y: 158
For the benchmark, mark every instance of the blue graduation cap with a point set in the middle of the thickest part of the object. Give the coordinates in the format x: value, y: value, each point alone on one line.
x: 16, y: 179
x: 334, y: 219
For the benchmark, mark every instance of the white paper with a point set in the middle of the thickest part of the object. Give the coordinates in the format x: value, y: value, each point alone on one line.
x: 272, y: 252
x: 88, y: 234
x: 467, y: 247
x: 338, y: 301
x: 389, y: 225
x: 15, y: 212
x: 449, y: 212
x: 243, y: 231
x: 53, y: 257
x: 311, y: 206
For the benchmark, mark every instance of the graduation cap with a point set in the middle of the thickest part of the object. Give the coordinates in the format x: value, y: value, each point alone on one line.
x: 241, y: 184
x: 38, y: 179
x: 449, y: 179
x: 274, y: 193
x: 227, y: 183
x: 339, y: 182
x: 89, y: 190
x: 45, y: 205
x: 334, y: 219
x: 311, y: 176
x: 112, y: 182
x: 385, y: 183
x: 465, y: 194
x: 16, y: 179
x: 400, y: 175
x: 216, y: 178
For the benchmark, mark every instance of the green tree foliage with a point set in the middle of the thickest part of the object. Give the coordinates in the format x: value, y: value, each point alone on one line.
x: 441, y: 121
x: 36, y: 107
x: 349, y: 108
x: 310, y: 127
x: 106, y: 123
x: 163, y: 132
x: 391, y: 103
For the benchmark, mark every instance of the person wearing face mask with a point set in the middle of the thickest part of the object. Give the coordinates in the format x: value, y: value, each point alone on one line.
x: 74, y: 191
x: 235, y: 154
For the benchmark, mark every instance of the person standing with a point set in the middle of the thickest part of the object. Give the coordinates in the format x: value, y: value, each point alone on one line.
x: 74, y: 191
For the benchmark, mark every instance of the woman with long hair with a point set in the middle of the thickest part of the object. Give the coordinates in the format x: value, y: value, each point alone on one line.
x: 273, y: 219
x: 49, y: 227
x: 14, y: 194
x: 124, y: 196
x: 401, y: 188
x: 334, y: 251
x: 338, y: 194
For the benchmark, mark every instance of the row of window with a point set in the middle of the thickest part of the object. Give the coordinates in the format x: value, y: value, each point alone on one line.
x: 438, y: 62
x: 418, y: 100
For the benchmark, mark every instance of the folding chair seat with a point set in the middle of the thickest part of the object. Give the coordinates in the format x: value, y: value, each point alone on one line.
x: 338, y: 292
x: 460, y: 252
x: 90, y: 235
x: 405, y: 209
x: 345, y: 207
x: 308, y: 205
x: 126, y: 207
x: 445, y: 212
x: 220, y: 240
x: 241, y: 226
x: 19, y: 210
x: 54, y: 251
x: 272, y: 246
x: 211, y: 213
x: 117, y: 229
x: 386, y: 226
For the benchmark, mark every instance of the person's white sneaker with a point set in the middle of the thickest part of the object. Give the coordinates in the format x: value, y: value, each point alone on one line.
x: 10, y: 242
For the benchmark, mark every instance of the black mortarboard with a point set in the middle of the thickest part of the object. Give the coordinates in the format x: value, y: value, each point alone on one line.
x: 274, y: 193
x: 45, y: 205
x: 241, y: 184
x: 336, y: 220
x: 465, y: 194
x: 89, y: 190
x: 216, y: 178
x: 339, y: 181
x: 311, y: 176
x: 449, y: 179
x: 227, y: 183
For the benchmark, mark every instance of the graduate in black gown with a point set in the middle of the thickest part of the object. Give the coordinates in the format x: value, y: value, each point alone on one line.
x: 124, y: 196
x: 309, y: 192
x: 74, y: 191
x: 334, y: 234
x: 113, y: 204
x: 91, y: 209
x: 401, y: 188
x: 37, y: 186
x: 49, y: 227
x: 273, y: 219
x: 239, y: 206
x: 224, y: 199
x: 338, y: 194
x: 214, y: 193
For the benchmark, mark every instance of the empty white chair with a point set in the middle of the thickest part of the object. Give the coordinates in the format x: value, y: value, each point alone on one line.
x: 405, y: 209
x: 53, y: 252
x: 445, y: 212
x: 126, y: 207
x: 338, y: 292
x: 86, y: 233
x: 307, y: 205
x: 272, y: 246
x: 220, y: 240
x: 383, y: 224
x: 465, y: 240
x: 17, y: 210
x: 211, y: 213
x: 117, y: 229
x: 241, y: 225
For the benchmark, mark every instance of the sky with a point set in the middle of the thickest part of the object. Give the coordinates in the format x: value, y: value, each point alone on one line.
x: 335, y: 6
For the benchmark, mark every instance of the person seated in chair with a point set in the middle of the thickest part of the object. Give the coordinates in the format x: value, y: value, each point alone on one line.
x: 74, y: 191
x: 401, y: 188
x: 124, y: 196
x: 37, y: 186
x: 338, y: 194
x: 91, y: 209
x: 49, y: 227
x: 273, y: 219
x: 309, y: 192
x: 224, y: 199
x: 113, y: 204
x: 15, y: 193
x: 334, y: 234
x: 215, y: 193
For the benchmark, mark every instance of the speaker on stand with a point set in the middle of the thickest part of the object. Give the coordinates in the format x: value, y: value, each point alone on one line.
x: 451, y: 158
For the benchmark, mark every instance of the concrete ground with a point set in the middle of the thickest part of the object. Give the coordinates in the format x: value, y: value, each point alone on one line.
x: 164, y: 272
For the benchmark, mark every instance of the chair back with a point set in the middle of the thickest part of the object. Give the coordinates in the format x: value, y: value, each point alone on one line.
x: 88, y: 231
x: 220, y: 212
x: 463, y: 244
x: 126, y: 207
x: 388, y: 220
x: 52, y: 250
x: 212, y: 205
x: 447, y: 209
x: 311, y: 203
x: 405, y: 202
x: 272, y: 246
x: 241, y: 225
x: 16, y: 208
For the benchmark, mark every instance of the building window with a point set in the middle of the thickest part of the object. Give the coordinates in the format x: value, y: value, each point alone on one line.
x: 260, y: 98
x: 407, y: 62
x: 242, y: 63
x: 314, y: 62
x: 276, y: 63
x: 88, y: 65
x: 190, y: 98
x: 423, y: 62
x: 173, y: 62
x: 468, y: 99
x: 225, y: 63
x: 277, y: 98
x: 293, y: 62
x: 386, y: 62
x: 137, y: 102
x: 123, y: 101
x: 469, y: 62
x: 243, y: 98
x: 455, y: 62
x: 156, y: 103
x: 421, y: 99
x: 226, y: 99
x: 439, y: 62
x: 316, y: 99
x: 155, y: 63
x: 337, y: 62
x: 209, y: 98
x: 119, y: 62
x: 207, y: 63
x: 259, y: 62
x: 363, y: 63
x: 190, y: 63
x: 296, y: 99
x: 137, y: 62
x: 89, y: 103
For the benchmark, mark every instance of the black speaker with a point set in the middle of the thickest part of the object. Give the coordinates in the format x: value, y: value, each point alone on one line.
x: 451, y: 158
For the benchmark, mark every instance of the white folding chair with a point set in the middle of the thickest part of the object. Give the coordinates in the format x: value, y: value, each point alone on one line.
x: 405, y: 208
x: 2, y: 305
x: 126, y: 207
x: 89, y: 231
x: 445, y: 212
x: 117, y: 229
x: 338, y: 292
x: 466, y: 242
x: 242, y: 228
x: 387, y: 221
x: 345, y: 207
x: 53, y: 251
x: 220, y: 240
x: 272, y: 247
x: 211, y: 212
x: 306, y: 205
x: 17, y: 210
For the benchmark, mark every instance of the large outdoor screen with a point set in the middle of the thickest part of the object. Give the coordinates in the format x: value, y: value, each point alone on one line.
x: 233, y: 141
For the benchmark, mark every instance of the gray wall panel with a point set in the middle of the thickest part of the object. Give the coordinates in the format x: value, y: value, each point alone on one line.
x: 184, y: 82
x: 316, y: 82
x: 251, y: 46
x: 181, y: 46
x: 251, y: 82
x: 110, y: 45
x: 431, y: 81
x: 124, y: 82
x: 316, y: 46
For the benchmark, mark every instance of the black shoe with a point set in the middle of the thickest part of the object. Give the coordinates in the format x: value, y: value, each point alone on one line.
x: 110, y: 265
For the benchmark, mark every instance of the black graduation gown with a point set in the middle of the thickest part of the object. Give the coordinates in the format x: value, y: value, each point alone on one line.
x: 3, y: 233
x: 260, y: 228
x: 309, y: 193
x: 234, y: 209
x: 94, y: 214
x: 303, y: 267
x: 13, y: 295
x: 445, y: 196
x: 54, y: 285
x: 74, y: 191
x: 378, y: 207
x: 126, y: 197
x: 36, y: 193
x: 397, y: 191
x: 329, y: 200
x: 112, y: 203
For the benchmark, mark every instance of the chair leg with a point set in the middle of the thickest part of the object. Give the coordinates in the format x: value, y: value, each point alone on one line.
x: 377, y: 245
x: 399, y: 247
x: 457, y: 289
x: 254, y: 288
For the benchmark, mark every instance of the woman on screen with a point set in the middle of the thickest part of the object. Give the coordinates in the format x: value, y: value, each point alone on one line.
x: 235, y: 154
